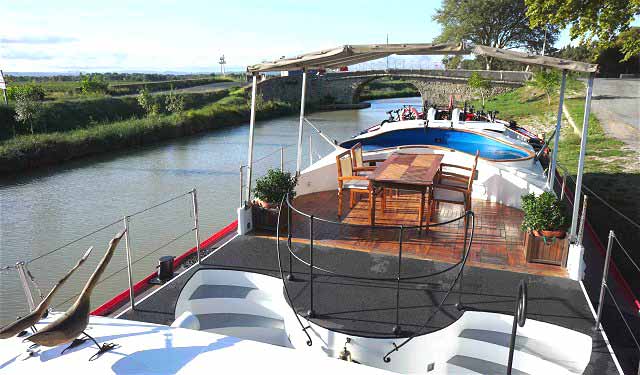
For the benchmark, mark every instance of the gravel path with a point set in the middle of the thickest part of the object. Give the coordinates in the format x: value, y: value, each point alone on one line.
x: 616, y: 103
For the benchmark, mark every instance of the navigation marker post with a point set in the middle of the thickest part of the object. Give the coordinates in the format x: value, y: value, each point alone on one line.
x: 222, y: 62
x: 3, y: 86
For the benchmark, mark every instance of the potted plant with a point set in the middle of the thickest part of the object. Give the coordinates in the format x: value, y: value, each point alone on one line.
x: 543, y: 215
x: 268, y: 192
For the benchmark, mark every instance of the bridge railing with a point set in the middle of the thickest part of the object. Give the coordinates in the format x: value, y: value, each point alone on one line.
x: 494, y: 75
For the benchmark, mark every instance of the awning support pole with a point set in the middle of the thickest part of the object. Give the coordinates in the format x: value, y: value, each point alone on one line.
x: 583, y: 150
x: 302, y: 98
x: 252, y: 122
x: 556, y: 140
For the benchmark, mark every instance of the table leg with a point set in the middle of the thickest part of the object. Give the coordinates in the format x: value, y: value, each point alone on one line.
x: 429, y: 203
x: 421, y: 211
x: 372, y: 208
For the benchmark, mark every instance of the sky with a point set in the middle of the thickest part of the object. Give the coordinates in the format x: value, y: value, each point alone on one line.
x: 191, y: 35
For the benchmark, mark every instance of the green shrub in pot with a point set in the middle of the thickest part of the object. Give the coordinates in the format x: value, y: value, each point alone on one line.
x: 543, y: 215
x: 271, y: 187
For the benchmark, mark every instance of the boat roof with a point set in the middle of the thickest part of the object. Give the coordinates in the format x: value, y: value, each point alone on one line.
x: 353, y: 54
x: 145, y: 348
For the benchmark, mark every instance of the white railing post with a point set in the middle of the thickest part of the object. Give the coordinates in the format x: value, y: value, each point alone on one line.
x: 583, y: 150
x: 583, y: 221
x: 25, y: 285
x: 564, y: 184
x: 310, y: 149
x: 605, y: 273
x: 196, y: 228
x: 302, y: 99
x: 242, y: 202
x: 127, y: 244
x: 252, y: 123
x: 282, y: 158
x: 556, y: 141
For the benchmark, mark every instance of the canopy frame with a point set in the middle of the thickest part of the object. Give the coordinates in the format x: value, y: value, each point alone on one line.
x: 353, y: 54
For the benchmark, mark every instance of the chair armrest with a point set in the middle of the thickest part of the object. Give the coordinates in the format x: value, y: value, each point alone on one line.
x: 346, y: 178
x: 373, y: 160
x: 364, y: 169
x: 449, y: 187
x: 454, y: 176
x: 454, y: 166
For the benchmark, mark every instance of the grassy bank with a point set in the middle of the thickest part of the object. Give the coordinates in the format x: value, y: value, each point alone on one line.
x: 612, y: 170
x: 65, y: 115
x: 71, y: 88
x: 388, y: 88
x: 28, y: 151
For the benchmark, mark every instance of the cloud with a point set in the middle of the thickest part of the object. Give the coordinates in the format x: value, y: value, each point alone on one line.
x: 25, y: 55
x: 37, y: 40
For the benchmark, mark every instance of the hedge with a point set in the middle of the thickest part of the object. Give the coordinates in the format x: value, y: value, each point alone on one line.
x: 66, y: 115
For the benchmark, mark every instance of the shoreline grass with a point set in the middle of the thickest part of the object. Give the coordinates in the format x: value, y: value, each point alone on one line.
x: 29, y: 151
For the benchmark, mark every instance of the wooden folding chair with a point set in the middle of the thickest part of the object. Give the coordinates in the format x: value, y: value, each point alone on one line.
x: 356, y: 184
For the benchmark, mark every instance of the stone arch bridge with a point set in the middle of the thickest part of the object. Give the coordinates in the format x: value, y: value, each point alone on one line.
x: 345, y: 87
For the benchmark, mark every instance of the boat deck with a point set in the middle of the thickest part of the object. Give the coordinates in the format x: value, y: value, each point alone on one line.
x: 498, y: 240
x: 367, y: 308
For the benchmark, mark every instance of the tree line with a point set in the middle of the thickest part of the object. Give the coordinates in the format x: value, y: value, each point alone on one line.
x: 601, y: 31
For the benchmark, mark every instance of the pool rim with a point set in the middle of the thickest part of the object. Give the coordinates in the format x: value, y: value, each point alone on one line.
x: 531, y: 153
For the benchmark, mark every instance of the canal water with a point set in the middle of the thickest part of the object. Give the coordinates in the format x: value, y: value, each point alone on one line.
x: 45, y: 213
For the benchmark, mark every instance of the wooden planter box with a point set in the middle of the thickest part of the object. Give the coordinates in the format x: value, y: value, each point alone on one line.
x: 267, y: 219
x: 546, y: 250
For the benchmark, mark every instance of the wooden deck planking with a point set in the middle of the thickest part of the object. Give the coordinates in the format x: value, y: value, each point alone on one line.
x: 498, y: 241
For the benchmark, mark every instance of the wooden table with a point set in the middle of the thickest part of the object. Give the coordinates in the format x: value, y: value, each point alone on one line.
x: 407, y: 172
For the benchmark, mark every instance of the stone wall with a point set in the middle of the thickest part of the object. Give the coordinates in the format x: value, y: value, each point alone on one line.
x: 345, y: 88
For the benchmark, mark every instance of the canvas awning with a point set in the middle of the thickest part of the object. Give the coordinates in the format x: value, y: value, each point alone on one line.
x: 533, y: 59
x: 354, y: 54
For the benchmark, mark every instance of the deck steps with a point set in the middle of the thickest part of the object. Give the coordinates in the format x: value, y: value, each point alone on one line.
x: 486, y: 352
x: 235, y: 308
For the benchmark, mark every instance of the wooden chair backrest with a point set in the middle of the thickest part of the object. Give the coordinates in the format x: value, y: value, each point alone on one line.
x: 356, y: 154
x: 344, y: 164
x: 473, y: 171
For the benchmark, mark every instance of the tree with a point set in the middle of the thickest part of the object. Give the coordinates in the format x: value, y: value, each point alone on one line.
x: 148, y: 102
x: 28, y: 112
x: 452, y: 62
x: 174, y: 103
x: 480, y: 85
x: 495, y: 23
x: 93, y: 84
x: 593, y: 23
x: 547, y: 81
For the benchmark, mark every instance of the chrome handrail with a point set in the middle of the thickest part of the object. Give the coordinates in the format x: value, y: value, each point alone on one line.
x: 23, y: 271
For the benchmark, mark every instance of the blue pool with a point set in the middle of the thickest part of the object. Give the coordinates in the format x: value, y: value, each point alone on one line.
x: 458, y: 140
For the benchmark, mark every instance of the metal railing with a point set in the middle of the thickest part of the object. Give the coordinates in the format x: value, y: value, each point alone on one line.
x: 605, y: 290
x: 245, y: 196
x: 611, y: 257
x: 27, y: 280
x: 314, y: 153
x: 312, y: 268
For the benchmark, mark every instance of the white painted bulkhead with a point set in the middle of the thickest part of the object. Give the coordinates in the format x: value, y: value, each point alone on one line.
x: 477, y: 337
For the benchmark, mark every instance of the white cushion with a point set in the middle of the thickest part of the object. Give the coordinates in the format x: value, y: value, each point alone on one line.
x: 440, y: 194
x: 355, y: 184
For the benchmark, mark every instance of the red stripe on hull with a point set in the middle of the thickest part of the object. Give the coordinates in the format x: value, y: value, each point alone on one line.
x: 123, y: 297
x: 626, y: 289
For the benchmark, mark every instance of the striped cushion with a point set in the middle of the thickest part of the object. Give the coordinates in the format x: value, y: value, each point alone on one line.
x: 448, y: 195
x: 356, y: 184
